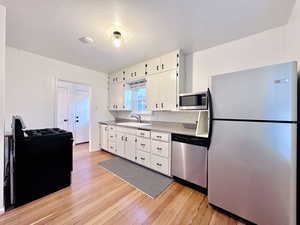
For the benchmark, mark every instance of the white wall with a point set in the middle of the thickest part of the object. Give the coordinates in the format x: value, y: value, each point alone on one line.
x: 250, y: 52
x: 30, y: 90
x: 2, y: 99
x: 292, y: 35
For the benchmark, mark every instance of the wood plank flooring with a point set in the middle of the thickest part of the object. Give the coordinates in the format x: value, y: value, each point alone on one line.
x: 97, y: 197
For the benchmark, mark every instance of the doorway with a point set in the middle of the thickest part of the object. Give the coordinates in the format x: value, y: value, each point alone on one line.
x: 73, y: 109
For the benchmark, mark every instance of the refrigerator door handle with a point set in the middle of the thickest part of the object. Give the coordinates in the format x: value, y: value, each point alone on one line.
x: 210, y: 109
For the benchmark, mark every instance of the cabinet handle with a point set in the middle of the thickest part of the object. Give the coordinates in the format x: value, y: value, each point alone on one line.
x: 156, y: 105
x: 143, y: 145
x: 162, y: 105
x: 122, y: 138
x: 142, y: 158
x: 111, y: 136
x: 142, y: 134
x: 158, y: 148
x: 135, y: 74
x: 157, y: 67
x: 158, y: 136
x: 65, y: 120
x: 162, y: 66
x: 159, y: 164
x: 126, y: 138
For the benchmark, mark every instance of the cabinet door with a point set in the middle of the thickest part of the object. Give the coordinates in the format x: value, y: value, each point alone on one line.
x: 140, y: 71
x: 168, y: 82
x: 153, y: 66
x: 120, y: 88
x: 153, y: 92
x: 131, y: 72
x: 120, y: 75
x: 112, y: 96
x: 130, y: 141
x: 169, y: 61
x: 120, y: 144
x: 104, y: 137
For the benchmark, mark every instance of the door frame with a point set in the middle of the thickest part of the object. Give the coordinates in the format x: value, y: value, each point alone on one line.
x: 57, y: 80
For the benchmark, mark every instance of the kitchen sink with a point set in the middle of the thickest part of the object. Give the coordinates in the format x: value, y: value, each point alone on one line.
x: 133, y: 124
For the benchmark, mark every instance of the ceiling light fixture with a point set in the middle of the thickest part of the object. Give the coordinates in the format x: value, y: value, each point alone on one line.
x: 86, y: 40
x: 117, y: 39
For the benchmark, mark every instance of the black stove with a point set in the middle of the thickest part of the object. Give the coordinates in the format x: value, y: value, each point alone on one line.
x: 41, y: 162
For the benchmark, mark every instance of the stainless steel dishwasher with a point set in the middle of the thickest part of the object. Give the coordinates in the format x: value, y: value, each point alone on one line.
x: 189, y: 159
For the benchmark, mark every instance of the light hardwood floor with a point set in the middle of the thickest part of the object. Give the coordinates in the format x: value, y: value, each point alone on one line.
x: 97, y: 197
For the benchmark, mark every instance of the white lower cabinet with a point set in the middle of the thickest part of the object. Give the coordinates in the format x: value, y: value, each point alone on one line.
x: 143, y: 144
x: 112, y: 147
x: 160, y: 164
x: 120, y: 146
x: 147, y: 148
x: 160, y: 148
x: 103, y: 137
x: 130, y: 141
x: 143, y: 158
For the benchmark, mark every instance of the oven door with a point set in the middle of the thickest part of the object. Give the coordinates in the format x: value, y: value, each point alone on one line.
x: 196, y: 101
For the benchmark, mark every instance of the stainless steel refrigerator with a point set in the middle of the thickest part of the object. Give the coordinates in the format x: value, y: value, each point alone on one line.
x: 252, y: 159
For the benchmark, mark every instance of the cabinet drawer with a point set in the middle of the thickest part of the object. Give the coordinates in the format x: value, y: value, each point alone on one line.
x: 160, y: 164
x: 143, y: 158
x: 160, y: 148
x: 160, y: 136
x: 143, y: 133
x: 112, y: 147
x: 111, y: 136
x: 143, y: 144
x: 111, y: 128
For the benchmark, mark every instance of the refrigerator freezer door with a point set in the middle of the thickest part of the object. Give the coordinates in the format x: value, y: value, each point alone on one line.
x: 268, y: 93
x: 252, y: 171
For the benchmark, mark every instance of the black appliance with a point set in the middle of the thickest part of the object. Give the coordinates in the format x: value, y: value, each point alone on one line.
x: 40, y: 162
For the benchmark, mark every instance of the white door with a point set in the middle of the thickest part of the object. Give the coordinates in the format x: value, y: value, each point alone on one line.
x: 130, y: 141
x: 120, y: 87
x: 81, y: 114
x: 120, y: 144
x: 168, y: 82
x: 169, y: 61
x: 104, y: 137
x: 153, y: 92
x: 153, y: 66
x: 63, y: 110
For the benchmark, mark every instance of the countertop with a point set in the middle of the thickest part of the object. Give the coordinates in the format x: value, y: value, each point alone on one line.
x: 169, y: 127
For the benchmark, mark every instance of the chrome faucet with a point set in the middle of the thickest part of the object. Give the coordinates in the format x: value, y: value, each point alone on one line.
x: 137, y: 116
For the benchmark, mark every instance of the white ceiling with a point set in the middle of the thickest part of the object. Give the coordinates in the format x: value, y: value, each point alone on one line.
x: 52, y: 27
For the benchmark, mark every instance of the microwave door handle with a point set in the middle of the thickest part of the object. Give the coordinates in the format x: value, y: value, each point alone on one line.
x: 210, y: 110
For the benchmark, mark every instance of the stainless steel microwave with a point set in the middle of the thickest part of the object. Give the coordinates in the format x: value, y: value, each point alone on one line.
x: 193, y: 101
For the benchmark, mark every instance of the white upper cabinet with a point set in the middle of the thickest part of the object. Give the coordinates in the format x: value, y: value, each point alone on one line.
x: 153, y: 66
x: 165, y: 80
x: 169, y: 61
x: 168, y: 84
x: 162, y: 91
x: 117, y: 96
x: 153, y: 92
x: 136, y: 72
